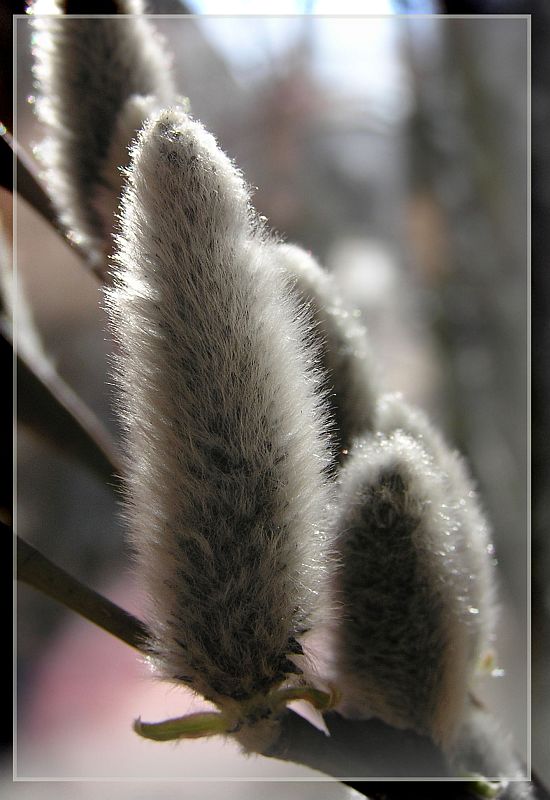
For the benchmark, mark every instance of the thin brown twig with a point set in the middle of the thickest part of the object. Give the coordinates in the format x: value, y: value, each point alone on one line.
x: 39, y: 572
x: 51, y: 409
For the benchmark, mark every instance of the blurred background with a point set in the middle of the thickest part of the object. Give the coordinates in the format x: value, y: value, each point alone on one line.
x: 396, y: 150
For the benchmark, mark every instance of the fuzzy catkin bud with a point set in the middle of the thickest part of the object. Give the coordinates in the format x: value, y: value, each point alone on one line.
x: 345, y: 358
x: 414, y: 583
x: 471, y: 532
x: 98, y: 78
x: 225, y: 430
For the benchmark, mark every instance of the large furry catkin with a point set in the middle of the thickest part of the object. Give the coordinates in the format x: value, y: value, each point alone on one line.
x: 415, y: 579
x: 98, y: 79
x: 349, y: 375
x: 224, y: 425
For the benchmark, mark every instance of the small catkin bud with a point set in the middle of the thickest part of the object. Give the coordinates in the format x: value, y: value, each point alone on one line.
x: 409, y: 635
x: 224, y: 424
x: 471, y: 532
x: 89, y: 72
x: 350, y: 381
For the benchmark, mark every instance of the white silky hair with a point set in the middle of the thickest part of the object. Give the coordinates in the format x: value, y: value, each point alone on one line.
x: 415, y: 581
x: 346, y: 361
x: 88, y: 72
x: 226, y: 440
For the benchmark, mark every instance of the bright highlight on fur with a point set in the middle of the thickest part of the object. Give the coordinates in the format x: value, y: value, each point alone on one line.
x: 415, y: 579
x: 225, y: 426
x: 98, y: 79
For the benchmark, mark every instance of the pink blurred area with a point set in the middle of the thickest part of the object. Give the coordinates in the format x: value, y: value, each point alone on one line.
x: 86, y: 691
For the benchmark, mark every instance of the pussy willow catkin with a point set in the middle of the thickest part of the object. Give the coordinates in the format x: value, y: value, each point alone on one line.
x: 224, y: 426
x: 98, y: 78
x: 415, y: 579
x: 350, y: 379
x: 469, y: 531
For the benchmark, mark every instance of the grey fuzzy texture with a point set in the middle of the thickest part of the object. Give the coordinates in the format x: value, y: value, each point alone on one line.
x: 87, y: 71
x: 224, y: 423
x: 349, y: 375
x: 416, y: 599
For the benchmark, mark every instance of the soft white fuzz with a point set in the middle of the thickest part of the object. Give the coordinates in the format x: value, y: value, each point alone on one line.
x: 225, y: 430
x: 89, y: 71
x: 414, y: 581
x: 342, y: 341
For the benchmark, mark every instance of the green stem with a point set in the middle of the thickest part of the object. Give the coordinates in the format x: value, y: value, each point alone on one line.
x: 191, y: 726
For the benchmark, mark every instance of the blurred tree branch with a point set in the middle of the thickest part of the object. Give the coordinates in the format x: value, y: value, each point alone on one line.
x: 50, y: 408
x: 7, y: 9
x: 29, y: 187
